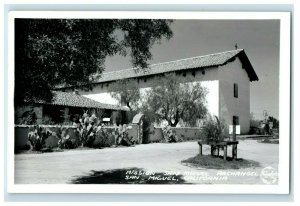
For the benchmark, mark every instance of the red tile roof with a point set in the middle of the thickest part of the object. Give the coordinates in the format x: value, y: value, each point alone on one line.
x: 199, y: 62
x: 211, y: 60
x: 76, y: 100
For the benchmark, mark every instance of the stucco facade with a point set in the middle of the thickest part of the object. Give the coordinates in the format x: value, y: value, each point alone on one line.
x: 219, y: 79
x: 101, y: 92
x: 230, y: 106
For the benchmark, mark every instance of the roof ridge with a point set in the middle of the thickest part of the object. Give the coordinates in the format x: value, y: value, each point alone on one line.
x: 118, y: 71
x: 212, y: 54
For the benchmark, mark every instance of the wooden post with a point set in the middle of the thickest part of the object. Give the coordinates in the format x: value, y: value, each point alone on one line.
x: 234, y: 151
x: 214, y: 150
x: 66, y: 114
x: 234, y: 132
x: 225, y: 152
x: 39, y: 114
x: 200, y: 148
x: 234, y: 146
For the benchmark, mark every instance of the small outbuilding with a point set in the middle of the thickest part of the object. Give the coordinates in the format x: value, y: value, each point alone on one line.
x: 65, y: 107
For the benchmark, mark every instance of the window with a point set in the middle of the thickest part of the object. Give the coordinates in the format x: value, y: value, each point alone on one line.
x: 235, y: 120
x: 235, y: 90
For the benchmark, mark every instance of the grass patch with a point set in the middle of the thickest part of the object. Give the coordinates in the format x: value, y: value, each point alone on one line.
x: 217, y: 162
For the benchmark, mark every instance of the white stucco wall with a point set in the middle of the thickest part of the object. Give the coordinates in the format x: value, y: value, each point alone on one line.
x: 105, y: 98
x: 219, y: 82
x: 208, y: 80
x: 212, y: 96
x: 100, y: 92
x: 229, y: 105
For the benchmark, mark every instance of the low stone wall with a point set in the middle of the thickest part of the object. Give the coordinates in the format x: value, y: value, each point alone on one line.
x: 21, y: 135
x: 133, y: 132
x: 155, y: 134
x: 186, y: 133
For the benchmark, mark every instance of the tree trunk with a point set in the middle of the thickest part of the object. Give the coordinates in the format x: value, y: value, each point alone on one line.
x: 173, y: 125
x: 176, y: 120
x: 128, y: 106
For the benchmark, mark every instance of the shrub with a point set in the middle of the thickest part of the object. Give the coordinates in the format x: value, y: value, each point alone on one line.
x: 103, y: 138
x: 169, y: 135
x: 37, y: 137
x: 65, y: 141
x: 25, y: 116
x: 88, y: 133
x: 106, y: 137
x: 214, y: 129
x: 123, y: 137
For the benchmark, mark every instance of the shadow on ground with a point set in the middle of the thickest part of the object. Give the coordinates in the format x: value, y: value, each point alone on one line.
x: 131, y: 175
x: 217, y: 162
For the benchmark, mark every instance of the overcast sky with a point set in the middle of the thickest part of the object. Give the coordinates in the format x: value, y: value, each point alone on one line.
x: 259, y: 38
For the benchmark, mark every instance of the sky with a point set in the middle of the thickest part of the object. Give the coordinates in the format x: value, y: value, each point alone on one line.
x: 259, y: 39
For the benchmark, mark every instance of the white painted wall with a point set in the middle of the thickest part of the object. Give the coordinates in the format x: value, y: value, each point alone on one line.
x: 229, y: 105
x: 105, y: 98
x: 212, y: 96
x: 101, y: 92
x: 219, y: 82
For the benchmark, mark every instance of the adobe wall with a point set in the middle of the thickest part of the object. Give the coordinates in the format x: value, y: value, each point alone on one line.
x: 207, y: 77
x: 229, y: 105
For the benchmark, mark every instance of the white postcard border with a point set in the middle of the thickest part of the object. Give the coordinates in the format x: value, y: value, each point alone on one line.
x: 284, y: 108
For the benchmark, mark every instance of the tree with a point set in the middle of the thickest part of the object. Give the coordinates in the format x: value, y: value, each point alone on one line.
x: 174, y: 101
x: 253, y: 121
x: 70, y: 52
x: 274, y: 121
x: 127, y: 92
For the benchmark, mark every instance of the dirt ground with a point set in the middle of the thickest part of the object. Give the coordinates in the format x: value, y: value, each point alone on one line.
x: 82, y: 166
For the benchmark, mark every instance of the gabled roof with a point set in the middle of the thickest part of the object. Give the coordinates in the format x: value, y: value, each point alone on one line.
x: 76, y: 100
x: 207, y: 61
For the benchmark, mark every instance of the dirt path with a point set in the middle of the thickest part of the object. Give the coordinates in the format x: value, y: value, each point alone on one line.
x: 65, y: 167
